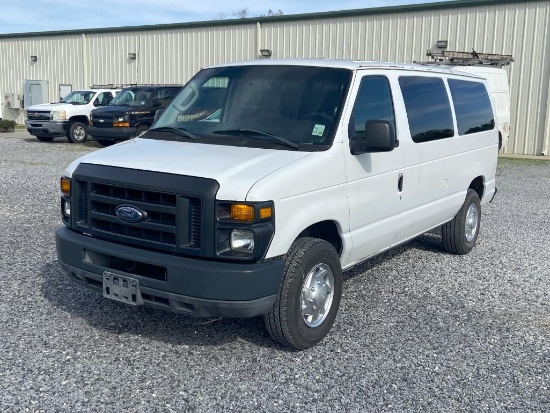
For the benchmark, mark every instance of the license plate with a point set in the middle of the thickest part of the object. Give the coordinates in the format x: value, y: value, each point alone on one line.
x: 120, y: 288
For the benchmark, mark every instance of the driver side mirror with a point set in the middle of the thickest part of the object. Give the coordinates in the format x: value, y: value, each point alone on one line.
x: 379, y: 137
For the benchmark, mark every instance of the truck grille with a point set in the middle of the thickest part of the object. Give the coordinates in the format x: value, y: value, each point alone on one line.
x: 173, y: 220
x: 102, y: 121
x: 38, y: 115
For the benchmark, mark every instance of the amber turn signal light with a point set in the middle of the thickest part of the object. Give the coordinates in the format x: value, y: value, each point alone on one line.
x: 66, y: 186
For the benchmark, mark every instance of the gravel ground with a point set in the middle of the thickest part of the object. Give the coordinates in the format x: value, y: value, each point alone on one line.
x: 418, y: 329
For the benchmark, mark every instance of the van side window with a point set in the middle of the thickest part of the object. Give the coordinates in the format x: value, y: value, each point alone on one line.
x: 374, y: 102
x: 472, y: 106
x: 428, y: 108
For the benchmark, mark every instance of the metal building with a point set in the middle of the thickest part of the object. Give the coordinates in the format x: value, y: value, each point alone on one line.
x: 172, y: 53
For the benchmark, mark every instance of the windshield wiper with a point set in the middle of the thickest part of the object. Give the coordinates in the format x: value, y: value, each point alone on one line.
x: 252, y: 132
x: 176, y: 131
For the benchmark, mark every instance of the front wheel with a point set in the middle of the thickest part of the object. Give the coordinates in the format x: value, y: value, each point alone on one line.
x: 140, y: 130
x: 460, y: 234
x: 310, y: 293
x: 77, y: 132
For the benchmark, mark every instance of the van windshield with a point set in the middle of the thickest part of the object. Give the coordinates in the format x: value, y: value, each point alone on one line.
x: 283, y: 107
x: 131, y: 97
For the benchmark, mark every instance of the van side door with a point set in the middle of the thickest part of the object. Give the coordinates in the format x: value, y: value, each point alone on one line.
x: 373, y: 178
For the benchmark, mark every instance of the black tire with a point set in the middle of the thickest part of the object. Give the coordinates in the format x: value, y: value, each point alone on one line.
x: 105, y: 142
x: 43, y: 138
x: 77, y: 132
x: 141, y: 129
x: 286, y: 321
x: 460, y: 234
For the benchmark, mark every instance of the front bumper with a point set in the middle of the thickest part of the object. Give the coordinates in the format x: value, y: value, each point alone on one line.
x: 46, y: 128
x: 111, y: 134
x: 184, y: 285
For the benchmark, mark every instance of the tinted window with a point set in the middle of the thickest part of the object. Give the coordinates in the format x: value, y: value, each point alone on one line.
x: 163, y: 96
x: 472, y: 106
x: 428, y: 108
x: 373, y: 102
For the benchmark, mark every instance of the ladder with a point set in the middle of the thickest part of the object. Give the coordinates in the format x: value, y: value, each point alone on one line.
x: 442, y: 56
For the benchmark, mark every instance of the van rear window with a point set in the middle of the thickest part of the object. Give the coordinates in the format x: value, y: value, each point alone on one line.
x: 472, y: 106
x: 428, y: 108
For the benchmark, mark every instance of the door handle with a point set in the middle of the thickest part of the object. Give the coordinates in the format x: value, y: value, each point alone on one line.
x: 400, y: 183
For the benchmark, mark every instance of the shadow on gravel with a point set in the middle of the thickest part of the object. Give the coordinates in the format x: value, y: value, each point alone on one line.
x: 430, y: 241
x: 119, y: 318
x: 61, y: 139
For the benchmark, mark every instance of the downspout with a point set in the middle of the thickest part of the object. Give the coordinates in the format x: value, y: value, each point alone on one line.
x: 86, y: 68
x: 258, y: 39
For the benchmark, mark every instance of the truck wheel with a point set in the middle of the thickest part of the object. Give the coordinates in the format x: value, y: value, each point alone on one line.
x: 141, y: 129
x: 460, y: 234
x: 77, y: 132
x: 310, y: 293
x: 43, y: 138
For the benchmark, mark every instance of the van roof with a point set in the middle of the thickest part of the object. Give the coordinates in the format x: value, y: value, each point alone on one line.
x: 346, y: 64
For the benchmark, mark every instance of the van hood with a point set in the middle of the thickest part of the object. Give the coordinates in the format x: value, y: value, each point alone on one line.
x: 236, y: 169
x: 114, y: 110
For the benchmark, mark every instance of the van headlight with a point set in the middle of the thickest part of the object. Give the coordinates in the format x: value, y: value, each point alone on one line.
x: 59, y: 115
x: 244, y: 229
x: 65, y: 186
x: 242, y: 240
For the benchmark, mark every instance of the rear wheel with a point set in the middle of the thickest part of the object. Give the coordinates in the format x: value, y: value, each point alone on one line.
x: 460, y: 234
x: 77, y: 132
x: 310, y: 293
x: 43, y: 138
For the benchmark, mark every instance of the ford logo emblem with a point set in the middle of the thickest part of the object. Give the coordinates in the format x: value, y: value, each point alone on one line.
x: 130, y: 213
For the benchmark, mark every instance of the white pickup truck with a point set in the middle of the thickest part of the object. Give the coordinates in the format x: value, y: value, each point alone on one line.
x: 69, y: 117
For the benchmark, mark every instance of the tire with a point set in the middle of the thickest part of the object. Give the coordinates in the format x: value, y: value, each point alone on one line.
x: 141, y: 129
x: 312, y: 268
x: 460, y: 234
x: 77, y: 132
x: 105, y: 142
x: 43, y: 138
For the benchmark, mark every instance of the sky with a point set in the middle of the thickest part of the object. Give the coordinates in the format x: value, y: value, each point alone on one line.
x: 24, y: 16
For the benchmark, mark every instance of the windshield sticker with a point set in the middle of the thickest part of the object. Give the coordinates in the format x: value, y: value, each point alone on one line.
x: 318, y: 130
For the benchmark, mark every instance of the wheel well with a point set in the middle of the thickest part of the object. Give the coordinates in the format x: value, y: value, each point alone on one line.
x: 477, y: 185
x: 82, y: 119
x: 325, y: 230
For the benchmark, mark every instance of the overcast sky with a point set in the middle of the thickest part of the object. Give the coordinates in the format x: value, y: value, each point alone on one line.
x: 23, y: 16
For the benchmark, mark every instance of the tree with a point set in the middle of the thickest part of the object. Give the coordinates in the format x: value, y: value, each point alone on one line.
x: 271, y: 13
x: 241, y: 13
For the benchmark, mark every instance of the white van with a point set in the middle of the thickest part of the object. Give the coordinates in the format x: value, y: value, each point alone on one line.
x: 263, y: 180
x: 499, y: 88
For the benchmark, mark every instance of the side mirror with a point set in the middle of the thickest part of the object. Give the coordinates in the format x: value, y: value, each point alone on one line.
x: 379, y: 137
x: 158, y: 114
x: 96, y: 103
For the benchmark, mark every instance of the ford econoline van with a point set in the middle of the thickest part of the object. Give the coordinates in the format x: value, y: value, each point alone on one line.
x: 263, y: 180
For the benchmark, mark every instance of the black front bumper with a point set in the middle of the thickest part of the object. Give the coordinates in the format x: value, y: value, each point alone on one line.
x: 185, y: 285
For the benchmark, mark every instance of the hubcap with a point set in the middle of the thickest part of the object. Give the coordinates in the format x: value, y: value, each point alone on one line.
x: 470, y: 226
x: 79, y: 133
x: 317, y: 295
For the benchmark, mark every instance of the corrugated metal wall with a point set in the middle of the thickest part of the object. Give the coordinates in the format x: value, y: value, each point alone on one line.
x: 173, y: 54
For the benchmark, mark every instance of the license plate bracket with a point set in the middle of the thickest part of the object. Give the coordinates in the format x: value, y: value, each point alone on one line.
x: 121, y: 288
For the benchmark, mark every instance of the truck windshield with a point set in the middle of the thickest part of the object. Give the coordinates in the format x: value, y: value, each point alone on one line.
x: 78, y: 98
x: 288, y: 107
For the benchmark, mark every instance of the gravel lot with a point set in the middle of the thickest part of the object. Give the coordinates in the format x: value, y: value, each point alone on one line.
x: 418, y: 329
